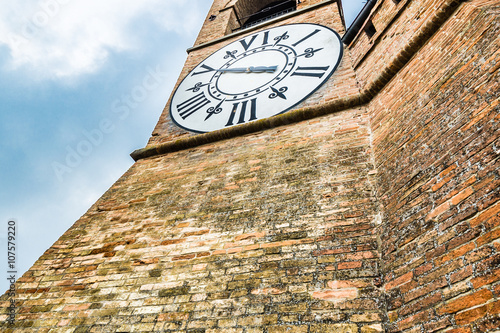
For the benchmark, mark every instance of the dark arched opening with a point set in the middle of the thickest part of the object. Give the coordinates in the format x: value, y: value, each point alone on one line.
x: 268, y: 12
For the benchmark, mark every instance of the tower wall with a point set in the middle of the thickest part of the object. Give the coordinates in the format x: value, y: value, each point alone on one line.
x: 435, y: 140
x: 371, y: 208
x: 267, y: 232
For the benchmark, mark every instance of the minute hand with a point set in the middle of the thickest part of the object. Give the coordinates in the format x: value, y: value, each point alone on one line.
x: 257, y: 69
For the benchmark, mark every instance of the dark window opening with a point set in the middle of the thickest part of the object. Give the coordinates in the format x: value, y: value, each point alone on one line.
x: 370, y: 29
x: 269, y: 12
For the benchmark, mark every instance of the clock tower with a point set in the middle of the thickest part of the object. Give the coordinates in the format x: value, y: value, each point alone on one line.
x: 266, y: 71
x: 303, y: 177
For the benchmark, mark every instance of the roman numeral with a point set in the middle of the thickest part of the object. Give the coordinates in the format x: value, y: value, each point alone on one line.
x: 207, y: 69
x: 310, y: 71
x: 306, y: 37
x: 192, y: 105
x: 266, y: 38
x: 244, y: 42
x: 241, y: 120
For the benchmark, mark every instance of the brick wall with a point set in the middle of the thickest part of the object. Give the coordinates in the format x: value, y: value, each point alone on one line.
x: 270, y: 232
x: 436, y: 143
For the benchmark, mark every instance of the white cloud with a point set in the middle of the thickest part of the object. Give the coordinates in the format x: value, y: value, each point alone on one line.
x: 66, y: 38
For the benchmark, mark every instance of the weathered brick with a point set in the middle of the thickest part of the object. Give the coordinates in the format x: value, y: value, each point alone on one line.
x: 480, y: 281
x: 366, y: 317
x: 340, y: 328
x: 465, y: 302
x: 454, y: 254
x: 488, y: 237
x: 336, y: 294
x: 468, y: 316
x: 376, y: 199
x: 414, y: 320
x: 424, y: 290
x: 349, y: 265
x: 287, y: 329
x: 373, y: 328
x: 484, y: 215
x: 437, y: 325
x: 399, y: 281
x: 422, y: 303
x: 461, y: 274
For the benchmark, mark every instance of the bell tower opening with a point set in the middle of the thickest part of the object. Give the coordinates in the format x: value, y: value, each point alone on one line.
x: 267, y: 12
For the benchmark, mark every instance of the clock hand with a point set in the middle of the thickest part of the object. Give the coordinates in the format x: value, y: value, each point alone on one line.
x: 233, y: 70
x: 268, y: 69
x: 251, y: 69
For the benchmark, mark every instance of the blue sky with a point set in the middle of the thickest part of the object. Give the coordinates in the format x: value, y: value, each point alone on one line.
x: 82, y: 84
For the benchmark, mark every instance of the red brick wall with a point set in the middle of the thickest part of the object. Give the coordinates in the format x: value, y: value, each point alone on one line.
x: 270, y: 232
x: 436, y: 143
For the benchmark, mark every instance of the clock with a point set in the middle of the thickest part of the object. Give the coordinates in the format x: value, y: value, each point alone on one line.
x: 255, y: 77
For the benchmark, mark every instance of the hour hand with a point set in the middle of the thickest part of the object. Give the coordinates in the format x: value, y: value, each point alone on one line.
x: 257, y: 69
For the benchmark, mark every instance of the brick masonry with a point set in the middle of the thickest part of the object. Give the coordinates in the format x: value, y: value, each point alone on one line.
x: 436, y: 145
x: 379, y: 217
x: 274, y: 230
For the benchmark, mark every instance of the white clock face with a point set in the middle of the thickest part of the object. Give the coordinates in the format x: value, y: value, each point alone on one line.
x: 258, y: 76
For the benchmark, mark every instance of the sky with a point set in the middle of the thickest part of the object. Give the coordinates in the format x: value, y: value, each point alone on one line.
x: 82, y: 85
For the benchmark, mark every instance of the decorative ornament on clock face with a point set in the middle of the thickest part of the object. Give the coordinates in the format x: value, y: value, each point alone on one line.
x: 258, y: 76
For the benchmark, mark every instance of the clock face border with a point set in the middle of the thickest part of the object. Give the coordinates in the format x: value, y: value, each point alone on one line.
x: 334, y: 64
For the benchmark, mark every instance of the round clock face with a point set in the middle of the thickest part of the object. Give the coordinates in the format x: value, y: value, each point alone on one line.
x: 258, y: 76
